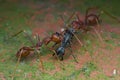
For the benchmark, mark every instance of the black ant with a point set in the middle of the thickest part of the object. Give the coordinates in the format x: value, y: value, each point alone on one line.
x: 67, y: 37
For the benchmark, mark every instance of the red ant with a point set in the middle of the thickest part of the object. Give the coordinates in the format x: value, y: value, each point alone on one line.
x: 91, y: 19
x: 25, y: 51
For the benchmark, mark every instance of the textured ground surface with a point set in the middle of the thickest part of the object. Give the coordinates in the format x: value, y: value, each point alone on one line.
x: 98, y: 62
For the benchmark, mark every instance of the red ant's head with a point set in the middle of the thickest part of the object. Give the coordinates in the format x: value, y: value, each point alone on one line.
x: 39, y: 44
x: 75, y: 24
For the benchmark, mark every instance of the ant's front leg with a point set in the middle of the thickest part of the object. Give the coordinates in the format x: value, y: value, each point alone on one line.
x: 53, y: 48
x: 54, y: 45
x: 53, y: 54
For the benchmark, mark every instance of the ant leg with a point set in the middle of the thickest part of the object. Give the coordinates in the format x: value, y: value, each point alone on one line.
x: 70, y: 47
x: 54, y: 45
x: 60, y: 57
x: 72, y: 53
x: 53, y: 54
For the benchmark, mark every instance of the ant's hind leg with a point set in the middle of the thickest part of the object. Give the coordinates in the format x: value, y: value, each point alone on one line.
x: 72, y: 53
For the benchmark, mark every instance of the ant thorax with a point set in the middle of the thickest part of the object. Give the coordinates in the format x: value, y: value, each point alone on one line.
x: 71, y: 30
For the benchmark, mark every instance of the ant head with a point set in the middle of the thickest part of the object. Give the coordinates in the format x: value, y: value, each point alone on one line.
x: 75, y: 24
x: 39, y: 43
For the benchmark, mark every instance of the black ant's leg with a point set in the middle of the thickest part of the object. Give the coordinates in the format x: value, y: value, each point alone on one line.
x: 70, y: 47
x: 72, y: 52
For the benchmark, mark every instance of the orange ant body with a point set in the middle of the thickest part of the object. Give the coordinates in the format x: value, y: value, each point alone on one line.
x: 55, y: 37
